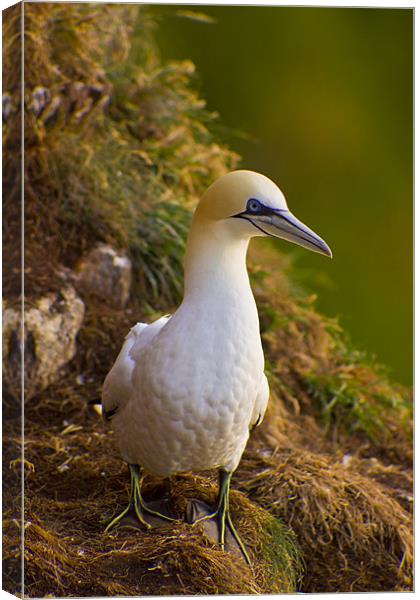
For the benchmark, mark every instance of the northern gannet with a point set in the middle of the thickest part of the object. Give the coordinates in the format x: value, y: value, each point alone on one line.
x: 186, y: 390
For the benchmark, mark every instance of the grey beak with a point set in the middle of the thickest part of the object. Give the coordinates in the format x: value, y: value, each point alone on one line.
x: 283, y: 224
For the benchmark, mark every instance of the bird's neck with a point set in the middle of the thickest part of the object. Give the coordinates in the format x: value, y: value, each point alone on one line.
x: 215, y: 263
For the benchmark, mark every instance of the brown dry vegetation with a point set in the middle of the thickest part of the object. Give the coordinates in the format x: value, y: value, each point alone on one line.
x: 323, y: 495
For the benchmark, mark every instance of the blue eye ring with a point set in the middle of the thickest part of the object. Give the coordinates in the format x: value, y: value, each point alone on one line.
x: 253, y: 206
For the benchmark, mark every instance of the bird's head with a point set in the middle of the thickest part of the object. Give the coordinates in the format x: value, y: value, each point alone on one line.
x: 250, y: 205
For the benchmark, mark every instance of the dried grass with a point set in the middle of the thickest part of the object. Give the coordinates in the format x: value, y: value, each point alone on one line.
x: 352, y: 535
x: 75, y: 483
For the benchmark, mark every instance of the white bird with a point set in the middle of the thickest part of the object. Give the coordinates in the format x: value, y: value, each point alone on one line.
x: 185, y: 390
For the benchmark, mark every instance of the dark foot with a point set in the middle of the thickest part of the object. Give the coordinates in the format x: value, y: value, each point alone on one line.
x: 199, y: 513
x: 160, y: 516
x: 217, y: 524
x: 134, y: 515
x: 158, y: 512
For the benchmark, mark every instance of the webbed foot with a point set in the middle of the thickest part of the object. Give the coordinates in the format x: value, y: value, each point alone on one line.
x: 217, y: 524
x: 134, y: 514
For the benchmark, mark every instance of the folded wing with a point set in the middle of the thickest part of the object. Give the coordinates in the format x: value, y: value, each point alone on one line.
x: 117, y: 386
x: 260, y: 405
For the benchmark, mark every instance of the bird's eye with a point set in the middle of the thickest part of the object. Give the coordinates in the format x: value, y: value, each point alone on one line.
x: 253, y: 205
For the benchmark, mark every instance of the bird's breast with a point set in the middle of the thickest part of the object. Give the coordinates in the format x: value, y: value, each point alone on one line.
x: 202, y: 368
x: 194, y: 389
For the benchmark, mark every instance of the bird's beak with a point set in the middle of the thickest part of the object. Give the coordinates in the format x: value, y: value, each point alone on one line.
x: 283, y: 224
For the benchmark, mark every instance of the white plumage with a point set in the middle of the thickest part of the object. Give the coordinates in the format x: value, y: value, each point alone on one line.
x: 118, y: 386
x: 185, y: 390
x: 195, y: 385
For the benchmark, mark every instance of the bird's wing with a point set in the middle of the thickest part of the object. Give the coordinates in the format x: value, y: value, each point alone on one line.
x: 146, y: 337
x: 260, y: 405
x: 117, y: 387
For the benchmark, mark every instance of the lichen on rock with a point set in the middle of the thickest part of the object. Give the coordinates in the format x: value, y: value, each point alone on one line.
x: 50, y: 327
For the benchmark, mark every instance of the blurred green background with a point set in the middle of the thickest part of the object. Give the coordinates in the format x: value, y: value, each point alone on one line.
x: 320, y: 100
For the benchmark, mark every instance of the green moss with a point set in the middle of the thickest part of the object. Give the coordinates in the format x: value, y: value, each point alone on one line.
x: 311, y: 360
x: 344, y: 402
x: 357, y: 394
x: 281, y: 551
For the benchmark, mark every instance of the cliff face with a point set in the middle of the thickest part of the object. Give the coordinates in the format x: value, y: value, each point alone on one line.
x: 118, y: 149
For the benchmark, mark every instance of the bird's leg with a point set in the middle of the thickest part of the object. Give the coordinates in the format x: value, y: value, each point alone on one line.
x: 143, y: 506
x: 222, y: 514
x: 134, y: 501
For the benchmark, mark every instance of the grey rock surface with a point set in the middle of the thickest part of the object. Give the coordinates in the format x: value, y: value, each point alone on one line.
x: 105, y: 275
x: 51, y: 324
